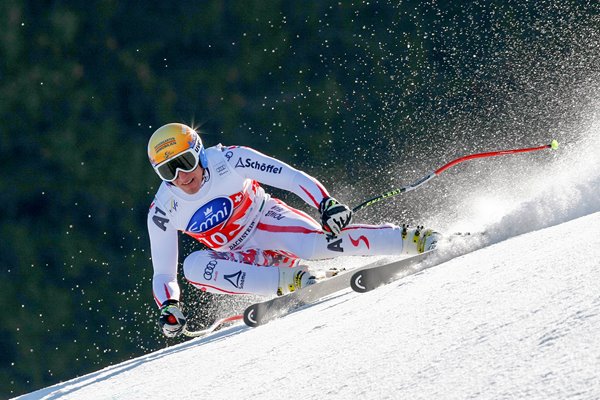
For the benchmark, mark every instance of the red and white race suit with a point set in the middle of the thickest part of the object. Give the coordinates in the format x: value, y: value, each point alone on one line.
x: 246, y: 229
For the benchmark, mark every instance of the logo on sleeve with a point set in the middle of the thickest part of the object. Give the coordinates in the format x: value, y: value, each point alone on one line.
x: 214, y: 213
x: 249, y: 163
x: 221, y: 168
x: 159, y: 217
x: 173, y: 204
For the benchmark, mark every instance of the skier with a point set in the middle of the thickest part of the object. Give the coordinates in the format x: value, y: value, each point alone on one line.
x: 255, y: 242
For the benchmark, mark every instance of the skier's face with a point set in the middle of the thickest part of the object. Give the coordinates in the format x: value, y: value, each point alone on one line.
x: 190, y: 182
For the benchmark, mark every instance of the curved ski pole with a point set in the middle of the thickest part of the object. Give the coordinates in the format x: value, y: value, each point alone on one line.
x: 419, y: 182
x: 214, y: 327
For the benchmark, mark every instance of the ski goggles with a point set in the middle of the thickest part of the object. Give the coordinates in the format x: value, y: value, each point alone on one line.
x: 186, y: 162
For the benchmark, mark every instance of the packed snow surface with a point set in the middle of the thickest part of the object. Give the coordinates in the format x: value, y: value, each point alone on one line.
x: 516, y: 319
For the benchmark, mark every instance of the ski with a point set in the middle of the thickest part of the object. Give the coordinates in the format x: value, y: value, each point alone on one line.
x: 263, y: 312
x: 218, y: 324
x: 371, y: 278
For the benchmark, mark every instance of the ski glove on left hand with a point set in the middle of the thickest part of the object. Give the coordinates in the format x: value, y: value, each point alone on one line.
x: 334, y: 216
x: 171, y: 321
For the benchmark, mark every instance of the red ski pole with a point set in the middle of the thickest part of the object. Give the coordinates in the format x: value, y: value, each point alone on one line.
x: 419, y: 182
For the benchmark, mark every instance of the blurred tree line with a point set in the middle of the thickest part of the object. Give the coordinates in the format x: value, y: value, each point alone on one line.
x: 338, y: 88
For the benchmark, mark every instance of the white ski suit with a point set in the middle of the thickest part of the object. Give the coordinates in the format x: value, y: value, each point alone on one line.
x: 249, y: 233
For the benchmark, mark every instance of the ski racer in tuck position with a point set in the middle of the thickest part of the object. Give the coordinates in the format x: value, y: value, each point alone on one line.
x: 255, y: 242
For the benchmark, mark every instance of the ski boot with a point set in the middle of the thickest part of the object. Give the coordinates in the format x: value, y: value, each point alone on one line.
x: 291, y: 279
x: 418, y: 240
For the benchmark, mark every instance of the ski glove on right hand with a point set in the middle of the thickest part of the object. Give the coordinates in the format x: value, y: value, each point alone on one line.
x: 171, y: 321
x: 334, y: 216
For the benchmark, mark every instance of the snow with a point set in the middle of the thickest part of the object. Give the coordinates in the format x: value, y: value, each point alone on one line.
x: 518, y: 318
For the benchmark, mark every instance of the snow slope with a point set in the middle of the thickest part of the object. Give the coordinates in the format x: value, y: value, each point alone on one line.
x: 517, y: 319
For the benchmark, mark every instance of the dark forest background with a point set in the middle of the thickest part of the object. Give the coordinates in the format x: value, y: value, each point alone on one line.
x: 340, y: 89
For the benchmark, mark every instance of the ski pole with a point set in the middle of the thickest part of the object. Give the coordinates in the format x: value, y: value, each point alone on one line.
x: 421, y: 181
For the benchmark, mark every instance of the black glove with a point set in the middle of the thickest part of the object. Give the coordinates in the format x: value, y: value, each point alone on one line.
x: 171, y: 321
x: 334, y: 216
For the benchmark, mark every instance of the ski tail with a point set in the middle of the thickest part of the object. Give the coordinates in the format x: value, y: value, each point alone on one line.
x: 218, y: 324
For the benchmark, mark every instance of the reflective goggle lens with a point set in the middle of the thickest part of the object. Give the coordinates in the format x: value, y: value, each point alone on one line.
x: 185, y: 162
